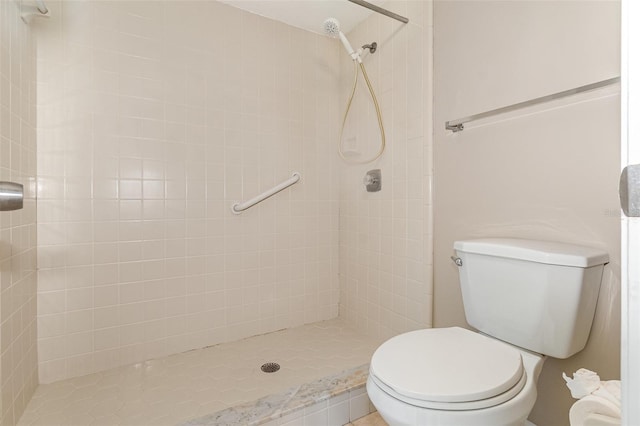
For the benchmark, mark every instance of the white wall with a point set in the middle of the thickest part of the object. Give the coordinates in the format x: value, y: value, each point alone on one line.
x: 18, y: 359
x: 385, y: 237
x: 548, y: 173
x: 154, y: 117
x: 630, y: 236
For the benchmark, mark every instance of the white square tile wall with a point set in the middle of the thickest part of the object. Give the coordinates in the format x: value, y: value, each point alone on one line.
x: 18, y: 278
x: 385, y: 237
x: 336, y: 411
x: 154, y: 117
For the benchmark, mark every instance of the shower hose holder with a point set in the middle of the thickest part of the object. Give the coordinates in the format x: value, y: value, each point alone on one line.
x: 372, y: 47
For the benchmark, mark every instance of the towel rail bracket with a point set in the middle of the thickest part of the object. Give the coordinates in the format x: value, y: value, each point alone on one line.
x: 454, y: 127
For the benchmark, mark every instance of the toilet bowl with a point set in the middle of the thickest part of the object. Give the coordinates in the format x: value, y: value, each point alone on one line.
x: 528, y: 299
x: 455, y: 387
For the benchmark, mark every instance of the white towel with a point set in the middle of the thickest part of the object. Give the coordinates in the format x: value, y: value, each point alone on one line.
x: 584, y: 382
x: 610, y: 390
x: 586, y: 410
x: 598, y: 402
x: 600, y: 420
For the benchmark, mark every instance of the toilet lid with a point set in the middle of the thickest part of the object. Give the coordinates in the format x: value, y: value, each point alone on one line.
x: 448, y: 365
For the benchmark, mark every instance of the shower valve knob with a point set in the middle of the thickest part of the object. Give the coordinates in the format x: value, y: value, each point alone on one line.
x: 373, y: 180
x: 369, y: 180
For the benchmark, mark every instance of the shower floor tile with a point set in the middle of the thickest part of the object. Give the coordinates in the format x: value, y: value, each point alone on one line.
x: 199, y: 382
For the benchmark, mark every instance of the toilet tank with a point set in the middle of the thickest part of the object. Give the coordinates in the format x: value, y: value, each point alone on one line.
x: 538, y: 295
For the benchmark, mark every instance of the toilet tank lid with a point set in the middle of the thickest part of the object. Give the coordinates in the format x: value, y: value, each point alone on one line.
x: 549, y: 252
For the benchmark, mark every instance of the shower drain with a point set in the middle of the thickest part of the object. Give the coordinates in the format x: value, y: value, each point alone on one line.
x: 270, y: 367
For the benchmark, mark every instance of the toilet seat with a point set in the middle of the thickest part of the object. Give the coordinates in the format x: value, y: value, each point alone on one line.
x: 448, y: 369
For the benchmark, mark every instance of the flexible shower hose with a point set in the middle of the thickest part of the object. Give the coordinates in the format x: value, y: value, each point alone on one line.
x: 346, y: 113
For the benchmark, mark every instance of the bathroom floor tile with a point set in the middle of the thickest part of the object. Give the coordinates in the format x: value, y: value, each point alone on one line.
x: 372, y: 419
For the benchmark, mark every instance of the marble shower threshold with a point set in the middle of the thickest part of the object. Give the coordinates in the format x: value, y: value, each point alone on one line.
x: 277, y: 409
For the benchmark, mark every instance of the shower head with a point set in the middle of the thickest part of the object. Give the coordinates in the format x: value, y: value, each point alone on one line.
x: 331, y: 28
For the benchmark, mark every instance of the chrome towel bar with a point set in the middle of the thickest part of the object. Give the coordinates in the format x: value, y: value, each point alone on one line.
x: 238, y: 208
x: 458, y: 125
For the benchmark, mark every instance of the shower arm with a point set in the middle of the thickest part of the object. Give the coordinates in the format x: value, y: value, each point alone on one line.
x: 381, y: 10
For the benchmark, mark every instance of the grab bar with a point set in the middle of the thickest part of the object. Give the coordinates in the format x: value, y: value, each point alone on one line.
x: 238, y: 208
x: 42, y: 8
x: 458, y: 125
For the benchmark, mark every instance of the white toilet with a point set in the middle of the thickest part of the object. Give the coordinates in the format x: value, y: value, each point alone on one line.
x: 528, y: 299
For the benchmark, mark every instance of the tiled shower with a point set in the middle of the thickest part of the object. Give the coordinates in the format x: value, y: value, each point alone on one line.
x: 153, y: 118
x: 175, y: 116
x: 18, y: 279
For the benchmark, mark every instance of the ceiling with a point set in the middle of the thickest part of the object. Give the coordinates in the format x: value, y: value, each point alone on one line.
x: 308, y: 14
